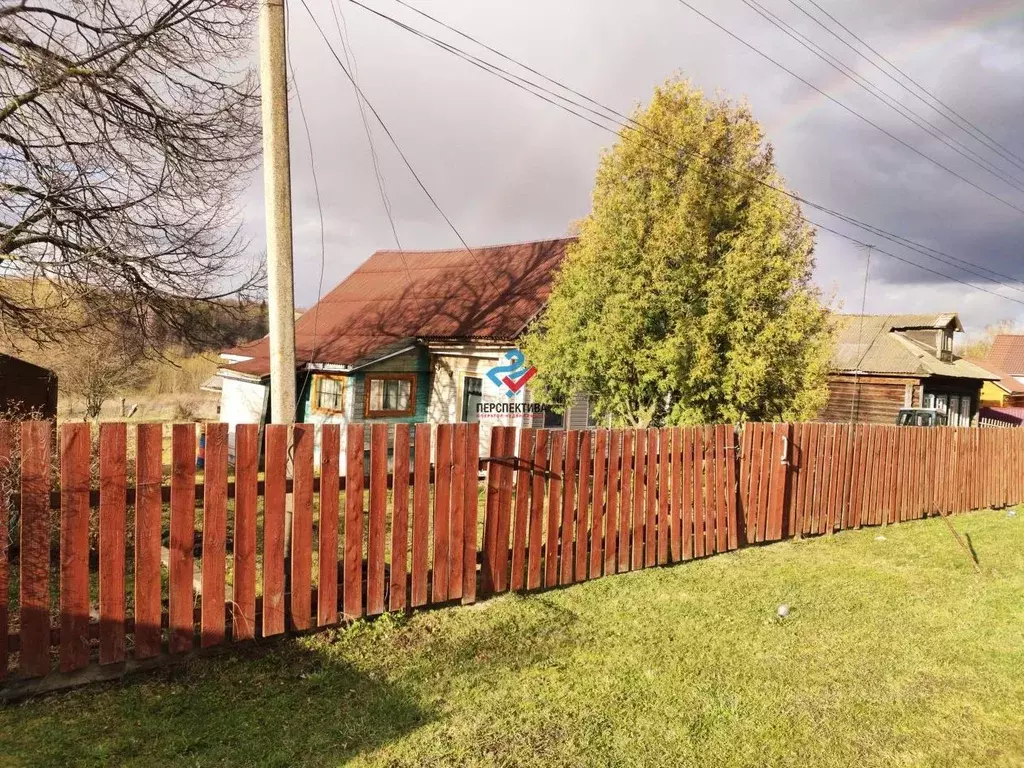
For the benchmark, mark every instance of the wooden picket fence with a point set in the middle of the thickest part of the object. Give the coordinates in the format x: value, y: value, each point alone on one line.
x: 555, y: 508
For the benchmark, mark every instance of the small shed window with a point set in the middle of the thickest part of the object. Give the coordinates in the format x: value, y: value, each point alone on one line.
x: 329, y: 394
x: 553, y: 419
x: 391, y: 394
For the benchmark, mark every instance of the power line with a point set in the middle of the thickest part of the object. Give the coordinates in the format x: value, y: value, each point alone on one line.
x: 861, y: 243
x: 346, y: 47
x: 972, y: 131
x: 401, y: 154
x: 378, y: 175
x: 866, y: 85
x: 522, y: 83
x: 619, y: 117
x: 931, y: 253
x: 994, y: 145
x: 849, y: 109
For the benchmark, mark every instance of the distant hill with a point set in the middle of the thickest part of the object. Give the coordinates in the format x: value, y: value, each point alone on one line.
x: 173, y: 364
x: 210, y: 327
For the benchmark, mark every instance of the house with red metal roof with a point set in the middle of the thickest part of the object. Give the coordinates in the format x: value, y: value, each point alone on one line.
x: 1003, y: 391
x: 1002, y: 399
x: 410, y: 336
x: 1006, y: 355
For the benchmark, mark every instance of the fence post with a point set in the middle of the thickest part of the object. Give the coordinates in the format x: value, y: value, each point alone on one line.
x: 34, y: 587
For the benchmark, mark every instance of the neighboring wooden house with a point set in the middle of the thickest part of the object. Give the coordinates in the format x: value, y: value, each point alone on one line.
x: 1003, y: 391
x: 409, y: 337
x: 27, y: 387
x: 883, y: 363
x: 1005, y: 359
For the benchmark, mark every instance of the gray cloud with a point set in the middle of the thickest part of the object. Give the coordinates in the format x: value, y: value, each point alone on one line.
x: 506, y: 166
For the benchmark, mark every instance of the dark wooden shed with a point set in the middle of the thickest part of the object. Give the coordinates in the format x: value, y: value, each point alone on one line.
x: 27, y: 387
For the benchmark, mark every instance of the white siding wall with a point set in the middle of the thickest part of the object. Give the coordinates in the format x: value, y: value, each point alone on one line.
x: 578, y: 412
x: 450, y: 370
x: 241, y: 402
x: 445, y: 405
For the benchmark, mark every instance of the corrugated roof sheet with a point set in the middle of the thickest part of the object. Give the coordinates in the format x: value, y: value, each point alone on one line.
x: 1007, y: 354
x: 874, y: 344
x: 393, y: 296
x: 1005, y: 380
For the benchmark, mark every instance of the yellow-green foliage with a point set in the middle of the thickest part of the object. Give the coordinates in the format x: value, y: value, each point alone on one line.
x: 688, y: 297
x: 179, y: 372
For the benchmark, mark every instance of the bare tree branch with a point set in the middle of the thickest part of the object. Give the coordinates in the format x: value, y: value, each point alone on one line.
x: 128, y: 128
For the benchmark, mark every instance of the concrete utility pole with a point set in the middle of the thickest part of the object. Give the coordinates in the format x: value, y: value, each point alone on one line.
x: 277, y: 192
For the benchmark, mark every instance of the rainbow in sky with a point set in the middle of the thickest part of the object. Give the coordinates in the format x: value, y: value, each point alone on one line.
x: 975, y: 16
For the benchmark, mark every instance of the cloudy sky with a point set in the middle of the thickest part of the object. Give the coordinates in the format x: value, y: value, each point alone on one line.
x: 505, y: 166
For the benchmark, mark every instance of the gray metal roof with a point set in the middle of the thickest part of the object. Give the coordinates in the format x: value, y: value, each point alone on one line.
x: 874, y: 344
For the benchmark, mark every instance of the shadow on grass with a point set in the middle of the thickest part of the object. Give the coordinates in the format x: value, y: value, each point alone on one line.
x: 317, y: 700
x: 971, y: 549
x: 280, y: 704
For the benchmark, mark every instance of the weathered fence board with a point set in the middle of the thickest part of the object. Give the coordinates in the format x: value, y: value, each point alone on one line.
x: 583, y: 509
x: 215, y: 521
x: 572, y: 444
x: 554, y: 510
x: 442, y: 510
x: 34, y: 551
x: 276, y: 437
x: 352, y: 588
x: 243, y: 587
x: 375, y: 565
x: 470, y: 503
x: 420, y: 513
x: 536, y: 544
x: 522, y: 491
x: 399, y: 521
x: 462, y: 473
x: 148, y: 524
x: 182, y: 540
x: 625, y: 494
x: 301, y: 560
x: 74, y: 546
x: 327, y: 530
x: 113, y: 490
x: 598, y: 507
x: 640, y: 480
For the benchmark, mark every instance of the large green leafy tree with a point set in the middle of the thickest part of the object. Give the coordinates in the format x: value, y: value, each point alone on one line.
x: 688, y: 296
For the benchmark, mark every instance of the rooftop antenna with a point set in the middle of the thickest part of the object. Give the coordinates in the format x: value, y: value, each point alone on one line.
x: 855, y: 405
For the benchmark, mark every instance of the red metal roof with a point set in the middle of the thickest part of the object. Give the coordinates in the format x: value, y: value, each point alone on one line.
x: 396, y: 296
x: 1007, y: 354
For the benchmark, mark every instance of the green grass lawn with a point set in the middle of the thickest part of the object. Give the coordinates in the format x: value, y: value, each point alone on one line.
x: 895, y: 654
